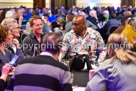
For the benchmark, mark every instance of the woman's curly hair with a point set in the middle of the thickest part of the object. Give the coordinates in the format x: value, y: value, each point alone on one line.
x: 3, y: 33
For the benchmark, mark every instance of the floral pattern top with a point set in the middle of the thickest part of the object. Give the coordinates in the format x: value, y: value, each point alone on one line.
x: 81, y: 45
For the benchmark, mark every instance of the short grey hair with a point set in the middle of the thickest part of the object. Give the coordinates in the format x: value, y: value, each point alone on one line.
x: 92, y: 12
x: 106, y: 12
x: 9, y: 14
x: 8, y: 22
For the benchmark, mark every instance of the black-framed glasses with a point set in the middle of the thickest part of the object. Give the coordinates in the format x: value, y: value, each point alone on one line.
x: 17, y: 28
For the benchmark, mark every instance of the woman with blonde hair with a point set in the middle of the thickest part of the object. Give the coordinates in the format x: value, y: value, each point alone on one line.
x: 117, y: 73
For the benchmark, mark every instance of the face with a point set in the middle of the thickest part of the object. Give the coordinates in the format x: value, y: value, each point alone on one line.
x: 37, y: 26
x: 78, y: 26
x: 9, y: 37
x: 105, y: 15
x: 46, y: 18
x: 14, y: 14
x: 16, y: 30
x: 19, y: 13
x: 94, y: 14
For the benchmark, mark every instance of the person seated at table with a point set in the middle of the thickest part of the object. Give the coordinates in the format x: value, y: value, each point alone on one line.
x: 14, y: 28
x: 117, y: 73
x: 124, y: 22
x: 109, y: 26
x: 44, y: 72
x: 80, y: 39
x: 5, y: 39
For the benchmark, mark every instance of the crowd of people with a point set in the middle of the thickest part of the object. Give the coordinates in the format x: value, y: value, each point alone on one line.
x: 42, y: 39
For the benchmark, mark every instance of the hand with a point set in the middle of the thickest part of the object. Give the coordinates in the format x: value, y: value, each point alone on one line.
x: 21, y: 18
x: 133, y: 40
x: 22, y: 30
x: 12, y: 71
x: 5, y: 69
x: 45, y: 21
x: 16, y: 43
x: 20, y: 21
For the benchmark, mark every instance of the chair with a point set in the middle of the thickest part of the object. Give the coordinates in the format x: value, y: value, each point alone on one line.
x: 112, y: 29
x: 22, y: 37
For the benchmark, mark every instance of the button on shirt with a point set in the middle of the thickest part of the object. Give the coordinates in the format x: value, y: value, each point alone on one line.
x: 81, y: 45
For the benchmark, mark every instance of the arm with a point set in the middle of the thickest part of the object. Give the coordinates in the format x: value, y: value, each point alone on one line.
x: 65, y: 46
x: 66, y: 82
x: 101, y: 47
x: 3, y: 78
x: 20, y: 21
x: 27, y: 47
x: 101, y: 77
x: 19, y: 52
x: 97, y: 83
x: 10, y: 86
x: 90, y: 24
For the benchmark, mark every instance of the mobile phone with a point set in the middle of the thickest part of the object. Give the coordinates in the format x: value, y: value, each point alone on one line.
x: 14, y: 59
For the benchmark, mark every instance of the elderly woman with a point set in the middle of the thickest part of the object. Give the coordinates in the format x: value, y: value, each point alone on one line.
x: 117, y: 73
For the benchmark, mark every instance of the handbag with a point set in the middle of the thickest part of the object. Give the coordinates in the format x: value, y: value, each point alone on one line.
x: 78, y: 61
x: 76, y: 64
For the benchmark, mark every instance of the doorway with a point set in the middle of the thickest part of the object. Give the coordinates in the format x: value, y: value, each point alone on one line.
x: 39, y: 3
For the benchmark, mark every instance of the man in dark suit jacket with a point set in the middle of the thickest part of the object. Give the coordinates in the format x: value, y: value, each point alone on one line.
x: 44, y: 72
x: 92, y: 17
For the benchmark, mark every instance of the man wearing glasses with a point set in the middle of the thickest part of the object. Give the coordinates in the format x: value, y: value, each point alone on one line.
x: 13, y: 26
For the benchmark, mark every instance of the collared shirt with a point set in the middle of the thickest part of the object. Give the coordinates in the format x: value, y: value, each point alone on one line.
x: 47, y: 54
x: 31, y: 46
x: 81, y: 45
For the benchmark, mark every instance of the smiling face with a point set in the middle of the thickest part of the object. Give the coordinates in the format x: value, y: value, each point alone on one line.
x: 37, y: 26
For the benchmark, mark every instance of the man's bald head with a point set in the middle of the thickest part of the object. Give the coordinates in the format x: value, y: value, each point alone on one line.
x: 79, y: 25
x: 79, y: 18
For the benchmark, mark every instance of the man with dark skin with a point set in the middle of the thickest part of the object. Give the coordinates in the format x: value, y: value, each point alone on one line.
x: 78, y: 25
x: 81, y: 38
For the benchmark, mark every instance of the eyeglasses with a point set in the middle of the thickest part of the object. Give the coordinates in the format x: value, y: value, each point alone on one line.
x: 17, y: 28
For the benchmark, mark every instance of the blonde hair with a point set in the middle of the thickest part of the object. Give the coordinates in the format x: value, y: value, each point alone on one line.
x: 35, y: 17
x: 9, y: 23
x: 120, y: 52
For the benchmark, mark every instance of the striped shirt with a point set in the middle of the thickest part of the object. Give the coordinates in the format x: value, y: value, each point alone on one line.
x: 41, y: 73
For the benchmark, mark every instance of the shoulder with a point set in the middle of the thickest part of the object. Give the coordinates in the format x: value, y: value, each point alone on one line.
x: 27, y: 38
x: 44, y: 60
x: 108, y: 67
x: 92, y: 31
x: 8, y: 51
x: 107, y: 63
x: 69, y: 34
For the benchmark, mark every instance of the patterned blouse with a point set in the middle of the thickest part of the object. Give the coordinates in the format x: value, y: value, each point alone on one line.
x: 81, y: 45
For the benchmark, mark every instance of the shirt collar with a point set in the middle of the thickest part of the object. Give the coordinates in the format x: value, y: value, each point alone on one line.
x: 33, y: 36
x: 47, y: 54
x: 86, y: 33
